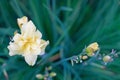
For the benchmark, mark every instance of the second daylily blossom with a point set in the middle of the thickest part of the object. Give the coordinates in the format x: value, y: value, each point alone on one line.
x: 29, y: 43
x: 92, y: 48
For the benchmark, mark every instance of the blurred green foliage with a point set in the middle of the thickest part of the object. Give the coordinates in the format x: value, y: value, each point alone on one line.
x: 69, y: 25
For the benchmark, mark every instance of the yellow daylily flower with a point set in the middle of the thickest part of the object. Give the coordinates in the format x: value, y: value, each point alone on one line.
x: 29, y: 43
x: 92, y: 48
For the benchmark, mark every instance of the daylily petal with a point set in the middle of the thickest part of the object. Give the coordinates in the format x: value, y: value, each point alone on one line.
x: 38, y: 34
x: 28, y: 29
x: 22, y: 21
x: 13, y: 49
x: 17, y: 37
x: 36, y: 50
x: 30, y: 59
x: 43, y: 45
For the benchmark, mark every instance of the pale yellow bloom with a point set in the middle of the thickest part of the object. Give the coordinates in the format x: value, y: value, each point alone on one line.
x: 92, y: 48
x: 29, y: 43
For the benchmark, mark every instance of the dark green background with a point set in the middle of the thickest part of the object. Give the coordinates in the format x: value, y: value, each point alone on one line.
x: 69, y: 25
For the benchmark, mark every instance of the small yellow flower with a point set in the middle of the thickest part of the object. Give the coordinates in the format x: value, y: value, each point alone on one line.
x: 29, y: 43
x: 92, y: 48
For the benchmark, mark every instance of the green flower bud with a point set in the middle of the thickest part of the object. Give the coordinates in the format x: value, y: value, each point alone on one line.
x: 39, y: 76
x: 52, y: 74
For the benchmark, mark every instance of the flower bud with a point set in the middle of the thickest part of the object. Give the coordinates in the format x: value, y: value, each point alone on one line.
x: 107, y: 58
x: 52, y: 74
x: 84, y: 57
x: 39, y: 76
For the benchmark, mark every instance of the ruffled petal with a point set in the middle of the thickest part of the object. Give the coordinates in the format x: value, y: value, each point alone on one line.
x: 30, y: 59
x: 17, y: 37
x: 28, y: 29
x: 13, y: 49
x: 43, y: 45
x: 35, y: 49
x: 38, y: 34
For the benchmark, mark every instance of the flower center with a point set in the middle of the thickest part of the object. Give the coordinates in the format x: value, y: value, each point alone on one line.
x: 27, y: 44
